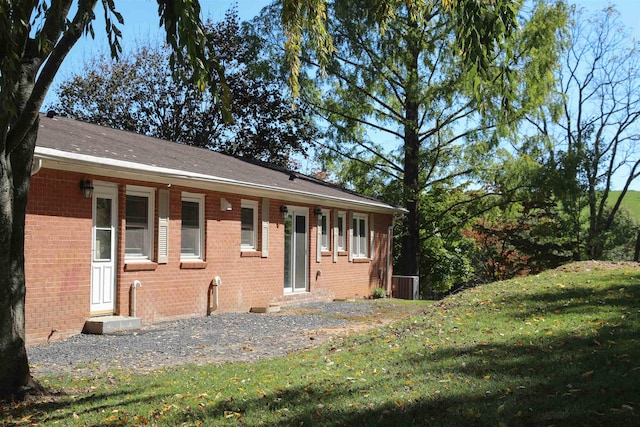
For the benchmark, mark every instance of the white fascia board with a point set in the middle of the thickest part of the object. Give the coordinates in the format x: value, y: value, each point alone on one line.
x: 151, y: 173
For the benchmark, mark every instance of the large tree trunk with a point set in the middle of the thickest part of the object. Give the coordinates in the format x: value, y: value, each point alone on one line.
x: 15, y: 171
x: 410, y: 253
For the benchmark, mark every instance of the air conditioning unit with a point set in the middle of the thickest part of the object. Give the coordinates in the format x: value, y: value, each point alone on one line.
x: 405, y: 287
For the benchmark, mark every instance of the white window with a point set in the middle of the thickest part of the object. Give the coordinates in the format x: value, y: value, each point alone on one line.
x: 140, y: 207
x: 341, y: 239
x: 249, y: 225
x: 323, y: 223
x: 191, y: 246
x: 360, y: 235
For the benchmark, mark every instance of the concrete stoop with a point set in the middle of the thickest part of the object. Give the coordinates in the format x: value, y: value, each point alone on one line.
x: 107, y: 324
x: 272, y: 308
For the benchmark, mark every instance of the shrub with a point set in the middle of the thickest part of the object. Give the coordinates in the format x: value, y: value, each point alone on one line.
x: 377, y: 293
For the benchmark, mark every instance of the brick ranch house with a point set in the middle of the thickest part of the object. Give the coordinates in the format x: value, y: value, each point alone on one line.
x: 123, y: 224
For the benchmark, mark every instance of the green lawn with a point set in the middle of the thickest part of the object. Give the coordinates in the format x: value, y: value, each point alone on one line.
x: 560, y: 348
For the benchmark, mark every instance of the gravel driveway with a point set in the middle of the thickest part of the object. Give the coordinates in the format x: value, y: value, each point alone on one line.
x: 223, y: 337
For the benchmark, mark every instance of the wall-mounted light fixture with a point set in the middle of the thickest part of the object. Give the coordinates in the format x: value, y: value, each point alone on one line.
x: 317, y: 211
x: 225, y: 205
x: 87, y: 188
x: 284, y: 209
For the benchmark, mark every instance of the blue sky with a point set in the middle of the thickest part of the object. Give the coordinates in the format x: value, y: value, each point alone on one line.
x: 142, y: 25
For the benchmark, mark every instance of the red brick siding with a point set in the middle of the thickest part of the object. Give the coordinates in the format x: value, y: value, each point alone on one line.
x: 57, y: 256
x: 58, y: 259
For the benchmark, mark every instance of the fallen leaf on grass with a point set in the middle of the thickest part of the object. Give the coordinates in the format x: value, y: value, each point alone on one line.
x: 231, y: 414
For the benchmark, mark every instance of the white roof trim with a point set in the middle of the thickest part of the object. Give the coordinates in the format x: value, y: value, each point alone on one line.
x: 56, y: 155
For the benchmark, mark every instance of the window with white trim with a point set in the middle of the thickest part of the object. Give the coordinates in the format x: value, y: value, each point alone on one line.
x: 249, y: 225
x: 359, y: 230
x: 323, y: 223
x: 192, y: 240
x: 341, y: 239
x: 140, y: 206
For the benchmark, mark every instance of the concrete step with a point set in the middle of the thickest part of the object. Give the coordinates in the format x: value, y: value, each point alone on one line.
x: 272, y: 308
x: 107, y: 324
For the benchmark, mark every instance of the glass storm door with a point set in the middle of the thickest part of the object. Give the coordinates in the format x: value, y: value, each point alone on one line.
x: 295, y: 250
x: 103, y: 248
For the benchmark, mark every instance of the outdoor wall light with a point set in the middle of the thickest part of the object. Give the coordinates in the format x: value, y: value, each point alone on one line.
x: 317, y: 211
x: 87, y: 188
x: 284, y: 209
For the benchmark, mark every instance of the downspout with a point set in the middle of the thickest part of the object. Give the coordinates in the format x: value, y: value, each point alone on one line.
x: 132, y: 297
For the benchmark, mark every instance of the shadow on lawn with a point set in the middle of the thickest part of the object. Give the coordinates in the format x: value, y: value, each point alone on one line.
x: 562, y: 382
x: 557, y: 379
x: 57, y: 410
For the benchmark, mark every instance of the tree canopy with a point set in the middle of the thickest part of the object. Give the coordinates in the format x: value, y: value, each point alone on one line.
x: 138, y: 93
x: 420, y: 103
x: 587, y: 135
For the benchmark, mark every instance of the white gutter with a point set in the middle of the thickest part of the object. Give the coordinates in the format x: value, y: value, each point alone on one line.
x: 54, y: 155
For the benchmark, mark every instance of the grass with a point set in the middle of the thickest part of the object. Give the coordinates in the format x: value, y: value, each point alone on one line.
x: 631, y: 203
x: 561, y: 348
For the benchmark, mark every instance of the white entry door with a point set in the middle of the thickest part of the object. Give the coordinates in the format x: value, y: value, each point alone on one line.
x: 103, y: 247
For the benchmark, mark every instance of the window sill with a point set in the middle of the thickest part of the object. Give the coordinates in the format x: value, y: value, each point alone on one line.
x: 361, y: 260
x: 343, y: 253
x: 250, y: 254
x: 326, y: 253
x: 140, y: 266
x: 193, y: 265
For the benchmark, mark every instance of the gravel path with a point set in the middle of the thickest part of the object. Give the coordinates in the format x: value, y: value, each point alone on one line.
x: 223, y: 337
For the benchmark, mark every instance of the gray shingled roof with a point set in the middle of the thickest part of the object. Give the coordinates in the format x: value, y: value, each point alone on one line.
x: 70, y: 139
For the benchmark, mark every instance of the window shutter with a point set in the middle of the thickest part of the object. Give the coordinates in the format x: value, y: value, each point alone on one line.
x: 335, y: 235
x: 371, y: 236
x: 265, y: 228
x: 319, y: 238
x: 350, y: 242
x: 163, y: 226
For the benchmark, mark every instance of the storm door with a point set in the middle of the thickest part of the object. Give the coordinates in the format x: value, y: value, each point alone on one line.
x: 296, y: 249
x: 103, y: 248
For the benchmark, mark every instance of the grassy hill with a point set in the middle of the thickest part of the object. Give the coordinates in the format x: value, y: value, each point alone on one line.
x: 631, y: 202
x: 560, y: 348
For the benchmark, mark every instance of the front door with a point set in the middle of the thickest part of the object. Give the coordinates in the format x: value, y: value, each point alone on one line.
x: 103, y: 248
x: 296, y: 249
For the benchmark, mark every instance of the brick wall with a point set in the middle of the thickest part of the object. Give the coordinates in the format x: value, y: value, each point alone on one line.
x: 58, y: 260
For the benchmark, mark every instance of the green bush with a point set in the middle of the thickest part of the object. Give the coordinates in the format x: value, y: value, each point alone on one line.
x: 378, y: 293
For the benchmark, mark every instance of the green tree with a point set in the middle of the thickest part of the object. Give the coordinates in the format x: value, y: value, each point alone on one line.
x: 408, y: 85
x: 35, y: 37
x: 593, y: 127
x: 138, y: 93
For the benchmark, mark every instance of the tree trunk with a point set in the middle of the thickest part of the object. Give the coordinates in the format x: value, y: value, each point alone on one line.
x: 15, y: 172
x: 410, y: 253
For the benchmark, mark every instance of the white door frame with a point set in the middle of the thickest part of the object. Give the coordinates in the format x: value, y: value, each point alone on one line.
x: 103, y: 259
